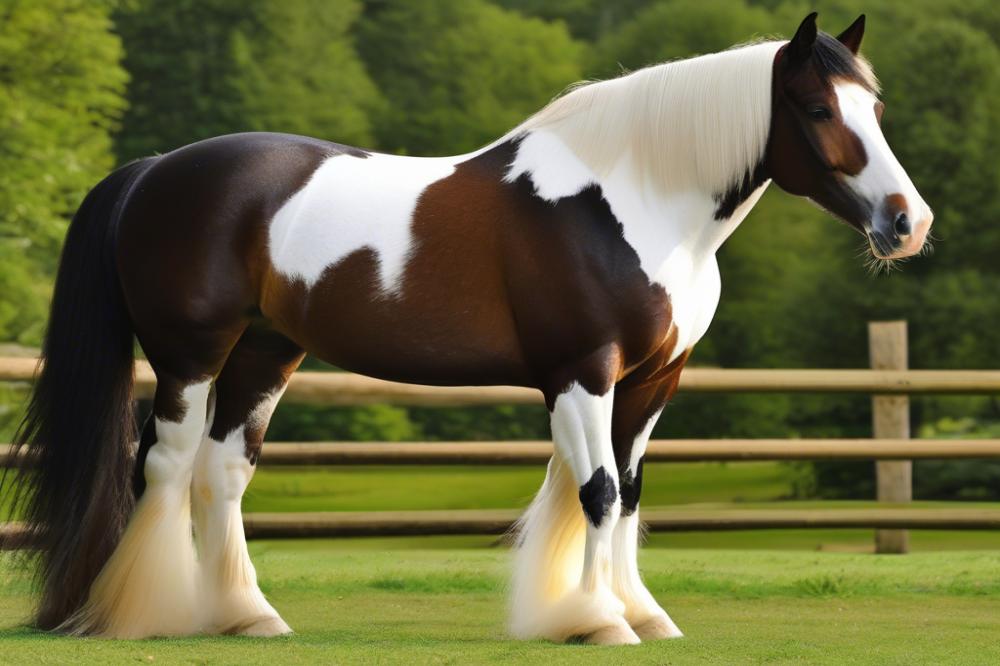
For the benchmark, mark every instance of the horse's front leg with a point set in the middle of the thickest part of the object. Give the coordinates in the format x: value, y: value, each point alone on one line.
x: 556, y: 596
x: 638, y: 404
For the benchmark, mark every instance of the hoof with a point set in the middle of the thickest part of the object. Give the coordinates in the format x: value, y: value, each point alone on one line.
x: 657, y: 628
x: 264, y: 627
x: 618, y: 634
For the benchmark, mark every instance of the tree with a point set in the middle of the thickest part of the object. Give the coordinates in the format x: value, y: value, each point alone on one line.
x: 679, y: 29
x: 61, y: 98
x: 586, y: 19
x: 201, y: 68
x: 951, y: 128
x: 459, y: 73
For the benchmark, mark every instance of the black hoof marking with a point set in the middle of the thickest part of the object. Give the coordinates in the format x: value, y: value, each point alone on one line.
x: 597, y: 496
x: 631, y: 489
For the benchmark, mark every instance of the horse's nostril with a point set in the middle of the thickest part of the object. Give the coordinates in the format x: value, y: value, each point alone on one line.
x: 901, y: 225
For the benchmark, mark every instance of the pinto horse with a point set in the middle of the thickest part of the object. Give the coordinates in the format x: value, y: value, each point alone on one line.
x: 575, y: 255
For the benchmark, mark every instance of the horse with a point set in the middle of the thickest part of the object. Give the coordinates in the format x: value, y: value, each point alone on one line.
x: 574, y: 255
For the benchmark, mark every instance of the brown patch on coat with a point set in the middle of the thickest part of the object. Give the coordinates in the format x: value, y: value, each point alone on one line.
x: 260, y: 364
x: 639, y: 396
x: 501, y: 287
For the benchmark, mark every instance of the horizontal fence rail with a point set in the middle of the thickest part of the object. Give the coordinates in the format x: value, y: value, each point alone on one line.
x: 659, y: 450
x: 347, y: 389
x: 500, y: 521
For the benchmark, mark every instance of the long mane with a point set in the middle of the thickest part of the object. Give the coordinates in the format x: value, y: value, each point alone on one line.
x: 698, y: 123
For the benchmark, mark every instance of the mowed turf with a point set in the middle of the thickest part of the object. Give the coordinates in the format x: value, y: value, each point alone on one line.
x: 370, y: 488
x: 774, y: 596
x: 358, y: 601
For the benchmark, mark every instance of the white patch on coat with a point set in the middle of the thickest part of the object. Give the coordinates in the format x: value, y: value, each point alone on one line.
x: 674, y: 234
x: 351, y: 204
x: 883, y: 175
x: 554, y: 170
x: 581, y: 431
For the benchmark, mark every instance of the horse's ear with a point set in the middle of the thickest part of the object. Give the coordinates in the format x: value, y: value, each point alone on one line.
x: 800, y: 48
x: 851, y: 38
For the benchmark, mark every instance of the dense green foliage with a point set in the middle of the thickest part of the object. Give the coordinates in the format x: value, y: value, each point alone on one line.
x: 201, y: 68
x: 443, y: 76
x: 459, y: 74
x: 61, y: 94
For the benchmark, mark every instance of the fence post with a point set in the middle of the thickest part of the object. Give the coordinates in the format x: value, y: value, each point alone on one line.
x: 887, y: 348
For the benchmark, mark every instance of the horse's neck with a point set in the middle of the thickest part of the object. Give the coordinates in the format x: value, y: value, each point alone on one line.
x: 674, y: 233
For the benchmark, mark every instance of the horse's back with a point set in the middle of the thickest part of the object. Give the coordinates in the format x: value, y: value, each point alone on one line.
x: 432, y: 270
x: 322, y: 242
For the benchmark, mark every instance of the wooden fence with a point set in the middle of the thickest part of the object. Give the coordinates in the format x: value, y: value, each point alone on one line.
x: 888, y: 381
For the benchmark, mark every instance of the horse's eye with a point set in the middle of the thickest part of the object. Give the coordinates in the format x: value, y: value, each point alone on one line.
x: 819, y: 113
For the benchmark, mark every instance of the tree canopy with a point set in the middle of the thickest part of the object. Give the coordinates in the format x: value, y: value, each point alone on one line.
x: 202, y: 68
x: 459, y: 74
x: 61, y: 95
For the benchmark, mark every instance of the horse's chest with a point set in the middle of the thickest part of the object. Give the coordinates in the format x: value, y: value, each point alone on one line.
x: 687, y: 274
x: 693, y: 290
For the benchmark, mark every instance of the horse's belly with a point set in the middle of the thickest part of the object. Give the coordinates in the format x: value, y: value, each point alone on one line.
x: 439, y: 329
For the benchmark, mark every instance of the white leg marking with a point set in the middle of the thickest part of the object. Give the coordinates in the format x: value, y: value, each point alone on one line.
x: 641, y: 610
x: 234, y: 602
x: 148, y: 586
x: 546, y: 601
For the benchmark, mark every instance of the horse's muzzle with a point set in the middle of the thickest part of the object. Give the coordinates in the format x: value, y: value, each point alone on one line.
x: 896, y: 232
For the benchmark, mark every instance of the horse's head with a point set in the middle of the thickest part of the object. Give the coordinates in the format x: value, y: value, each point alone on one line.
x: 826, y: 142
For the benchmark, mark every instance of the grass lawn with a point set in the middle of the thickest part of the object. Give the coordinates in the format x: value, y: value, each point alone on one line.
x: 366, y: 601
x: 780, y: 596
x: 368, y: 488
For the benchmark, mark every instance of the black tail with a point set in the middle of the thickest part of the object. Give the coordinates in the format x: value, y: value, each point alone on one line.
x: 79, y: 428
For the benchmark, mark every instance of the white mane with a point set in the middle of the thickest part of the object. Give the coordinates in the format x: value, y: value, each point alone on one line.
x: 699, y: 123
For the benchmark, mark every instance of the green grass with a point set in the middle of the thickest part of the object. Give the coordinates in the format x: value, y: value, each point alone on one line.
x: 365, y: 488
x: 354, y: 601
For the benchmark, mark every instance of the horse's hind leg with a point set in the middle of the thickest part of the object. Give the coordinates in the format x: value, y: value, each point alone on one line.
x: 148, y: 586
x: 247, y: 390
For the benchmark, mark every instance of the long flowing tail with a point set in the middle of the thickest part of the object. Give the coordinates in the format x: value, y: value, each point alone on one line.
x: 79, y: 428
